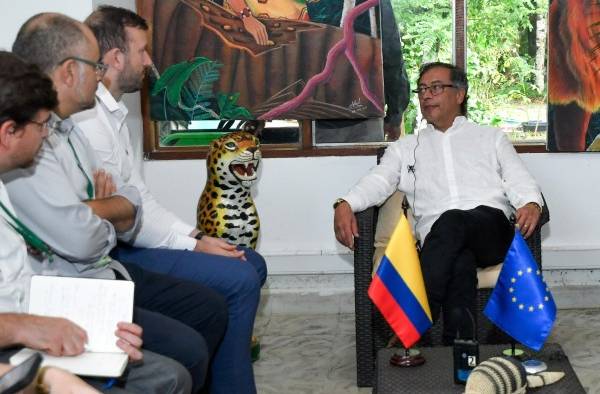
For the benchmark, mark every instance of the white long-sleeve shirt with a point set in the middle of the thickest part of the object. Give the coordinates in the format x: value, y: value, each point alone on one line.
x: 107, y: 131
x: 466, y: 166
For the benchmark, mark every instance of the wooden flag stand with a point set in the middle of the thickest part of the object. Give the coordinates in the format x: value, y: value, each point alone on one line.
x: 407, y: 358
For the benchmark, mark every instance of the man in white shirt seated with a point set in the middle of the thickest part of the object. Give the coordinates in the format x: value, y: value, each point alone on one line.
x: 462, y: 181
x: 26, y: 100
x: 164, y: 243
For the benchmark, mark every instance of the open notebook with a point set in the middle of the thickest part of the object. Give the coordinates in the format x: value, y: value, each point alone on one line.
x: 96, y: 305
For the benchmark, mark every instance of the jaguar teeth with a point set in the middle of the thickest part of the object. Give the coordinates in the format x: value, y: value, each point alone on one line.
x: 246, y: 169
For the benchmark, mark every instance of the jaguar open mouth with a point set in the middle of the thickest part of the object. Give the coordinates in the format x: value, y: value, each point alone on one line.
x: 244, y: 170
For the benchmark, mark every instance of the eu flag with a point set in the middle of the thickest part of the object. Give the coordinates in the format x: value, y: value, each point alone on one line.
x: 398, y: 290
x: 521, y: 303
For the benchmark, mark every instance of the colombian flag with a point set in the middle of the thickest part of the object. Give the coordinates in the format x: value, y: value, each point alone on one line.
x: 398, y: 290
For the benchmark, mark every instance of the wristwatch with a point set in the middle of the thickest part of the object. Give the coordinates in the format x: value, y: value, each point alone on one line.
x: 536, y: 205
x: 199, y: 235
x: 338, y: 202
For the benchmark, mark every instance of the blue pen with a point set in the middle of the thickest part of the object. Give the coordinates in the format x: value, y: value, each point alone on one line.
x: 109, y: 384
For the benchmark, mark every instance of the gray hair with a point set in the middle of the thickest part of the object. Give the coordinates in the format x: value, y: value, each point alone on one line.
x: 47, y: 39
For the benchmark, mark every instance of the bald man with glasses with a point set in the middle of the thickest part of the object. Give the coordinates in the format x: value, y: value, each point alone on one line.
x: 463, y: 182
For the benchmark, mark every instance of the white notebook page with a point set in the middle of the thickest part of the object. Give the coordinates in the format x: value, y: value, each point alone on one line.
x: 96, y: 305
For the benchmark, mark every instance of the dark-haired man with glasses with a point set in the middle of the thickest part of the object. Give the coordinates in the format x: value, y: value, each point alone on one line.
x: 463, y: 181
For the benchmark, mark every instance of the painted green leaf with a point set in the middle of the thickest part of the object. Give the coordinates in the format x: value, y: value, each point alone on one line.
x: 175, y: 76
x: 229, y: 109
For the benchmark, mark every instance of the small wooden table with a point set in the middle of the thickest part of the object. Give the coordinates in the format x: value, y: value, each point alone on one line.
x: 435, y: 376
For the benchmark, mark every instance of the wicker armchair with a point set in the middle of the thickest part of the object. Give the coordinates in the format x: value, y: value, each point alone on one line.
x: 372, y: 331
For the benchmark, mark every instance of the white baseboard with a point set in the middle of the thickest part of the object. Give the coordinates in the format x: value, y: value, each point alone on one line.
x: 555, y: 258
x: 332, y: 293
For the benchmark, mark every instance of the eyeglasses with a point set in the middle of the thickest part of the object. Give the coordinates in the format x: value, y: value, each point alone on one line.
x: 435, y: 89
x: 98, y: 66
x: 45, y: 125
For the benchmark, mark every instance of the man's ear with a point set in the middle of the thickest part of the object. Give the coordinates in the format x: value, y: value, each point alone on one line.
x: 115, y: 58
x: 460, y: 95
x: 7, y: 131
x: 65, y: 74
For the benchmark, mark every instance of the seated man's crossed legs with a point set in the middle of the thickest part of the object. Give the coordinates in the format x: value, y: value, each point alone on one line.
x: 459, y: 242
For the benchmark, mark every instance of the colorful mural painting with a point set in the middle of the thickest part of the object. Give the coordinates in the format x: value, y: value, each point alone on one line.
x: 264, y: 59
x: 574, y: 76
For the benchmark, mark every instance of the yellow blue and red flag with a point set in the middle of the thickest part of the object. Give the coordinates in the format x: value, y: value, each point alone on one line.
x: 398, y: 289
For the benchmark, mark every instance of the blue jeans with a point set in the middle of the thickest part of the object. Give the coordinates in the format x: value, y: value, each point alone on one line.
x: 238, y: 281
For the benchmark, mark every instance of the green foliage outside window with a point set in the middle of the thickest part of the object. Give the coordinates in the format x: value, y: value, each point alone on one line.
x: 501, y: 51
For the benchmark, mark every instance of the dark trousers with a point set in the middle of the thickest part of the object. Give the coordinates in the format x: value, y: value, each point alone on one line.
x: 458, y: 243
x: 181, y: 320
x: 239, y: 282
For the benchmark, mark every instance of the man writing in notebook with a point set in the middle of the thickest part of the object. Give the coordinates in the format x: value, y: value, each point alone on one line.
x: 78, y: 212
x: 164, y: 243
x: 26, y: 101
x: 462, y: 181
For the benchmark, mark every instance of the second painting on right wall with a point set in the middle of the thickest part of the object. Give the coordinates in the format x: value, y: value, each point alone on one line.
x: 574, y: 76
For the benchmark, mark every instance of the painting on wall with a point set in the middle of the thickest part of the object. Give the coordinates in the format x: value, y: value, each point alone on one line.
x: 574, y: 76
x: 264, y: 59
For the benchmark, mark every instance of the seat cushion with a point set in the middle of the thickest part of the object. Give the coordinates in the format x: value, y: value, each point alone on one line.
x: 389, y: 214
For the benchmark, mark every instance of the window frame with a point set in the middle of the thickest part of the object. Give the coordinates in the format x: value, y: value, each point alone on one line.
x: 306, y: 148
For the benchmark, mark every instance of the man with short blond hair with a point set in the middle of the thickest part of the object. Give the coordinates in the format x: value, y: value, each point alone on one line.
x: 164, y: 243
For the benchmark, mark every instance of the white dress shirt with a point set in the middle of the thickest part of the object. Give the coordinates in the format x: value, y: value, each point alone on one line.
x: 466, y: 166
x: 15, y: 267
x: 48, y: 195
x: 107, y: 131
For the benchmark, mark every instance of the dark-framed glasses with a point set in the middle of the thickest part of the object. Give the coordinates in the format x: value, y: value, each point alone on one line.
x: 435, y: 89
x: 45, y: 125
x: 99, y: 67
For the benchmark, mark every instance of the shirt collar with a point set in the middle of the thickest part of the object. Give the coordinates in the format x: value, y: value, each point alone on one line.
x: 62, y: 126
x: 458, y: 121
x: 108, y: 101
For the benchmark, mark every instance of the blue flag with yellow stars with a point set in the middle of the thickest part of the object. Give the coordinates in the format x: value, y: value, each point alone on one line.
x: 521, y: 303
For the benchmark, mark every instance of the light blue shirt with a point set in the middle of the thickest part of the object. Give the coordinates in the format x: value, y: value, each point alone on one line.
x: 48, y: 198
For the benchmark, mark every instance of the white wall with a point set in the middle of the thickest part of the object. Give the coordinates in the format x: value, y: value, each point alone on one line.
x: 14, y: 13
x: 294, y: 196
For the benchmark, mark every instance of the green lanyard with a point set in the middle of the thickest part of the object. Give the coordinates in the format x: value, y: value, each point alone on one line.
x: 90, y: 186
x: 29, y: 236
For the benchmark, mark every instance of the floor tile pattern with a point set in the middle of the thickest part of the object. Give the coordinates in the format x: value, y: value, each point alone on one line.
x: 313, y: 354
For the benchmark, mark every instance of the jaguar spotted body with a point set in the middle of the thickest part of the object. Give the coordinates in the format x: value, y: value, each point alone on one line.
x: 226, y: 209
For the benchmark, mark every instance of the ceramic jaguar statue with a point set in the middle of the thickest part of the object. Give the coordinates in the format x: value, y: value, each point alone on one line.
x: 226, y: 209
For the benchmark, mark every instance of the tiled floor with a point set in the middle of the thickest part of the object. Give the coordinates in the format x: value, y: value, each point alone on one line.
x: 315, y: 353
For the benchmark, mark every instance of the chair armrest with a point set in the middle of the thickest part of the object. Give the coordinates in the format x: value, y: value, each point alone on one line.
x: 535, y: 240
x: 363, y: 307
